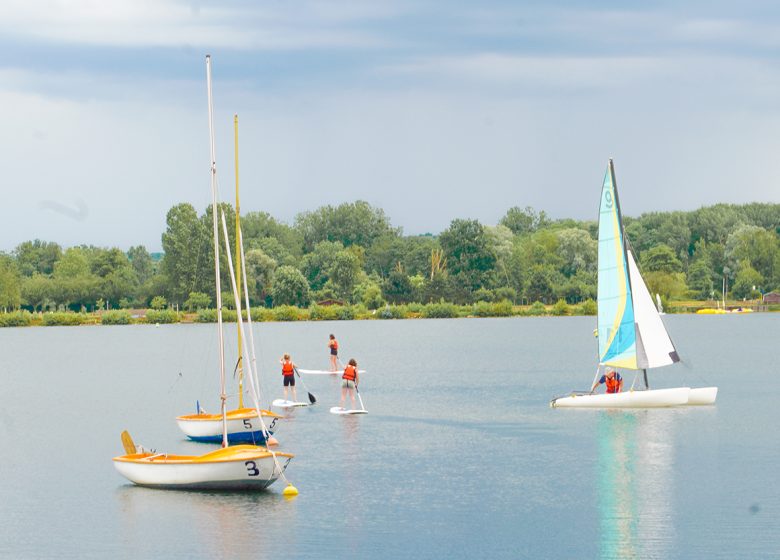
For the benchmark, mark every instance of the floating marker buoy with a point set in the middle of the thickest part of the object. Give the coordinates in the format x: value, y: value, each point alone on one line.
x: 290, y: 490
x: 272, y: 441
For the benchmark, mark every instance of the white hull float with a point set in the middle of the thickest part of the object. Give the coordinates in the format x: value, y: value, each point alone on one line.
x: 702, y: 396
x: 240, y: 467
x: 655, y: 398
x: 243, y: 426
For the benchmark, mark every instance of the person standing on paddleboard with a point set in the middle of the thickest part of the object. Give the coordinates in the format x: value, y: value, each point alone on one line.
x: 288, y: 374
x: 334, y: 352
x: 349, y: 382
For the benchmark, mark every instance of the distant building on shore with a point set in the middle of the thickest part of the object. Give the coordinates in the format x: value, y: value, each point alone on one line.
x: 772, y: 297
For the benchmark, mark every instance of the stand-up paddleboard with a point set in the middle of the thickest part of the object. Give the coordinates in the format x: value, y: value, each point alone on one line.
x: 324, y: 371
x: 281, y: 403
x: 342, y: 410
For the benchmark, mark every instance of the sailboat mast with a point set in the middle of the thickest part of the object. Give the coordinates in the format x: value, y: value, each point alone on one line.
x: 238, y: 274
x: 222, y: 395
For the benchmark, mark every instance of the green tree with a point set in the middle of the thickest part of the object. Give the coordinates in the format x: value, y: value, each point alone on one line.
x: 187, y: 261
x: 37, y: 291
x: 290, y: 287
x: 142, y: 263
x: 469, y: 259
x: 158, y: 302
x: 260, y: 273
x: 660, y: 258
x: 747, y: 282
x: 37, y: 257
x: 577, y: 250
x: 344, y: 272
x: 196, y: 301
x: 357, y: 223
x: 10, y: 283
x: 524, y: 221
x: 397, y: 288
x: 316, y: 266
x: 700, y: 278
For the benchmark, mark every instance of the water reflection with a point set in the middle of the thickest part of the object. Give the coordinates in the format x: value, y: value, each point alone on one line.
x: 214, y: 524
x: 636, y: 456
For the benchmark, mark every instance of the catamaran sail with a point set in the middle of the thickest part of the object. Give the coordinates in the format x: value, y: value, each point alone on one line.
x: 631, y: 334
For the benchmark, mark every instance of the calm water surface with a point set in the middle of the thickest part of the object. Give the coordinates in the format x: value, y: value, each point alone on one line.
x: 460, y: 456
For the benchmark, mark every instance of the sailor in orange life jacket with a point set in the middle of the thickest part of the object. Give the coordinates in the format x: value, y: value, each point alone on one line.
x: 612, y: 380
x: 288, y: 374
x: 333, y: 345
x: 349, y: 381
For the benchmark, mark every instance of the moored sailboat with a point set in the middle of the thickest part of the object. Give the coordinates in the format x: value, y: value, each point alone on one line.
x: 243, y: 425
x: 631, y: 334
x: 240, y: 467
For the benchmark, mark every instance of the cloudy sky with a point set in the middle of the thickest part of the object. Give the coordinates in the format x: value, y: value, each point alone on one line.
x: 430, y: 110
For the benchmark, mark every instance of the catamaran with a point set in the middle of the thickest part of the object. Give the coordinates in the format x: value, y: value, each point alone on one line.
x: 239, y: 467
x: 631, y: 334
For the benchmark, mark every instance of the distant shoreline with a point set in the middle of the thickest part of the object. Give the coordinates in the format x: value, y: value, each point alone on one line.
x: 283, y: 314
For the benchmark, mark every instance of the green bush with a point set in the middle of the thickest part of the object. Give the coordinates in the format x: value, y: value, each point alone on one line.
x: 210, y: 316
x: 15, y: 319
x: 323, y: 313
x: 587, y: 307
x: 537, y: 308
x: 163, y: 316
x: 393, y: 312
x: 63, y: 319
x: 414, y: 308
x: 560, y: 308
x: 286, y: 313
x: 441, y: 310
x: 345, y: 313
x: 116, y: 317
x: 486, y: 309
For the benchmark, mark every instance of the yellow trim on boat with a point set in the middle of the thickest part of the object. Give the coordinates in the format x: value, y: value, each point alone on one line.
x: 237, y: 414
x: 224, y: 455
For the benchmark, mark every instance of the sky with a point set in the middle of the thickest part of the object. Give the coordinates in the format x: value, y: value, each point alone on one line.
x: 429, y: 110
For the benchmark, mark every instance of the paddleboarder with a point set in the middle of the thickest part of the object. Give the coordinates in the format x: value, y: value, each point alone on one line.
x: 333, y: 345
x: 612, y: 380
x: 288, y: 374
x: 349, y: 381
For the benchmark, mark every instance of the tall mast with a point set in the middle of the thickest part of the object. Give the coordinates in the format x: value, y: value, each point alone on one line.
x: 222, y: 395
x: 238, y: 274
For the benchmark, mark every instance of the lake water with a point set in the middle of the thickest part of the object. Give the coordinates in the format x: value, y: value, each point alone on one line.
x: 460, y: 456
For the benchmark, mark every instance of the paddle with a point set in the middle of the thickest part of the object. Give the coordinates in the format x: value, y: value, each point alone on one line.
x: 127, y: 443
x: 312, y: 400
x: 359, y: 397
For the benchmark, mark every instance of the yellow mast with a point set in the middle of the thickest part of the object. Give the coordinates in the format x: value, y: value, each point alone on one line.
x: 238, y: 275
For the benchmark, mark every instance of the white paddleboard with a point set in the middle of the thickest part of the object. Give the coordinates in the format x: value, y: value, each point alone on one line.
x: 281, y: 403
x: 324, y: 372
x: 342, y: 410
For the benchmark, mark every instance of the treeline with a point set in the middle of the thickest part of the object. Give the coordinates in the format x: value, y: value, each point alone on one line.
x: 352, y: 254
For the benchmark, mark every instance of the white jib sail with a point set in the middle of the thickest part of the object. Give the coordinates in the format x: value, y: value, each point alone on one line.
x: 654, y: 347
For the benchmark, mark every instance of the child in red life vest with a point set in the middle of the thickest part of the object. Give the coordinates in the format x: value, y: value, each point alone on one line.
x: 612, y: 380
x: 349, y: 382
x: 333, y: 345
x: 288, y: 374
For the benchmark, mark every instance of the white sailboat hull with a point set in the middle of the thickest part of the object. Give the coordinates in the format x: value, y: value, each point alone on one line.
x: 655, y: 398
x: 702, y: 396
x: 240, y: 467
x: 243, y: 426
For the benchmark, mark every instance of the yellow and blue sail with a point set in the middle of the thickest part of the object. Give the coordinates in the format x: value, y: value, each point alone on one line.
x: 616, y: 327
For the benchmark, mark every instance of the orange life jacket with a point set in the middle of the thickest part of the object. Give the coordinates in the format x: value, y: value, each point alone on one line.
x: 287, y: 369
x: 613, y: 385
x: 334, y: 344
x: 350, y: 373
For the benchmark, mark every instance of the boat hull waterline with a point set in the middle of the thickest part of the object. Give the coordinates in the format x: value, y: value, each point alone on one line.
x: 654, y: 398
x: 243, y: 426
x: 240, y: 467
x: 702, y: 396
